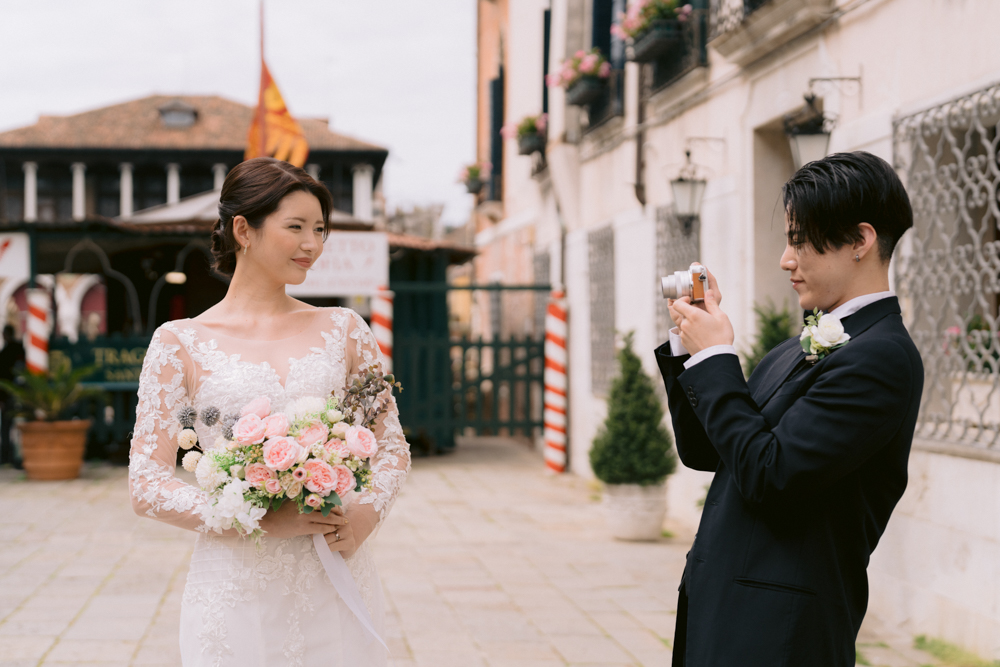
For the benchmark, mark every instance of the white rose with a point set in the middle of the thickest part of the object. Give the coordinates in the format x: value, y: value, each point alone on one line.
x: 334, y: 416
x: 829, y: 332
x: 294, y: 489
x: 187, y: 439
x: 190, y: 461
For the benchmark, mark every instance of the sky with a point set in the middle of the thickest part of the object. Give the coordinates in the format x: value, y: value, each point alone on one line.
x: 392, y: 72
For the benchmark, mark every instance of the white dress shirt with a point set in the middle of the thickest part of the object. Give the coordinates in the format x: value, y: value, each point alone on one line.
x: 843, y: 310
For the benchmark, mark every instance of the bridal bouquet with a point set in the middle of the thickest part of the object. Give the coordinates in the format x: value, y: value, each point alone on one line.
x: 314, y: 454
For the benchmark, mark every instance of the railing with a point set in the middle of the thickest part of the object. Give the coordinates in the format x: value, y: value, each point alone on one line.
x: 692, y: 54
x: 727, y: 15
x: 948, y: 265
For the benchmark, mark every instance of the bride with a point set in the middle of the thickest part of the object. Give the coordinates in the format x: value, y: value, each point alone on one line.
x: 268, y: 604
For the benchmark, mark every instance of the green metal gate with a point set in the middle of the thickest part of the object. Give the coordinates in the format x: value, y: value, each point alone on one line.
x: 459, y: 385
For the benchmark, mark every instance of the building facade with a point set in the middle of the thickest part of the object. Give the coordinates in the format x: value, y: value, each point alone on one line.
x: 728, y: 90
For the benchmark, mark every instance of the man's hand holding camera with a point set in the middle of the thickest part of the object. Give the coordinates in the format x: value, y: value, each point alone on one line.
x: 702, y: 325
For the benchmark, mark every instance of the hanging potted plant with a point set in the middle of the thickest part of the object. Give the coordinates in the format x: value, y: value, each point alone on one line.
x: 653, y: 28
x: 530, y: 134
x: 51, y: 446
x: 474, y: 176
x: 584, y: 76
x: 633, y: 454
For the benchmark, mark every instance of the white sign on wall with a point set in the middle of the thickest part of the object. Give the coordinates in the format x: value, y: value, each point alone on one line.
x: 15, y: 259
x: 352, y: 264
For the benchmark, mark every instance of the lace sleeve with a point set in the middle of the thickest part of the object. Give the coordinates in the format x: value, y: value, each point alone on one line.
x: 392, y: 461
x: 156, y: 492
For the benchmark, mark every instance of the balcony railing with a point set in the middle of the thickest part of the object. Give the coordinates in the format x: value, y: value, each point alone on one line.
x: 744, y: 30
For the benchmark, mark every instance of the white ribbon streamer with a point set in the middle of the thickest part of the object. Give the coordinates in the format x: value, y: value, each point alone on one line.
x: 346, y: 587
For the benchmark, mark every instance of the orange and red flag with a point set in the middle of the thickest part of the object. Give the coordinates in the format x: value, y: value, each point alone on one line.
x: 273, y: 132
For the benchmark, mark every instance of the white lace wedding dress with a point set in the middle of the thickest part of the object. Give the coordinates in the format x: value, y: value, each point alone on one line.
x: 271, y: 604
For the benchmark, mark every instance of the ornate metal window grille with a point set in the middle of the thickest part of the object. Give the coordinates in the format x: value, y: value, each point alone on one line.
x: 948, y: 265
x: 677, y: 245
x: 602, y: 309
x: 727, y: 15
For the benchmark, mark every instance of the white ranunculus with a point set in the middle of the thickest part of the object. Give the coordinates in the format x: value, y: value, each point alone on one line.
x: 829, y: 332
x: 209, y: 476
x: 187, y: 438
x: 334, y: 416
x: 190, y: 461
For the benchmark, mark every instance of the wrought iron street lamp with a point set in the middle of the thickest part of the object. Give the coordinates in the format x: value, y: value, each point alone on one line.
x: 808, y: 133
x: 688, y: 193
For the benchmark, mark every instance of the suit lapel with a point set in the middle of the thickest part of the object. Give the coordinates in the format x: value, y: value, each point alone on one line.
x: 795, y: 357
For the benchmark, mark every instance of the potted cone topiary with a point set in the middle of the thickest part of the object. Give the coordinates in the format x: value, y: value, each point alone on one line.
x: 633, y: 453
x: 51, y: 446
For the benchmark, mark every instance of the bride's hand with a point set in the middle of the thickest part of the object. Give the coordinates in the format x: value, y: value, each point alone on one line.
x: 360, y: 524
x: 287, y: 522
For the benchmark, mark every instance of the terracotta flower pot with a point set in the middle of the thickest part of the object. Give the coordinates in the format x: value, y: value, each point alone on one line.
x: 53, y: 450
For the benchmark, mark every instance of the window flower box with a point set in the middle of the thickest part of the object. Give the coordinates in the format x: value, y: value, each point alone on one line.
x: 660, y: 39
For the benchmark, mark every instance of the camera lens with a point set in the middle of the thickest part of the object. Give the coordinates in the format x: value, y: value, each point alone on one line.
x: 669, y: 286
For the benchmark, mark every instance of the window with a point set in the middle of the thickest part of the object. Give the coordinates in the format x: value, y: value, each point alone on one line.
x: 339, y: 180
x: 546, y: 52
x: 149, y: 187
x: 691, y: 53
x: 602, y: 309
x: 496, y: 139
x: 196, y: 179
x: 55, y: 193
x: 605, y: 14
x: 947, y: 267
x: 11, y: 191
x: 107, y: 190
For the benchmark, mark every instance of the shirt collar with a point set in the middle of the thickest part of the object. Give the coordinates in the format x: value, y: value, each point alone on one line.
x: 857, y: 303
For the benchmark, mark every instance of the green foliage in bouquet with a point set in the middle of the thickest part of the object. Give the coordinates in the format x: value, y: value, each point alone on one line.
x: 633, y: 446
x: 48, y: 396
x: 773, y: 327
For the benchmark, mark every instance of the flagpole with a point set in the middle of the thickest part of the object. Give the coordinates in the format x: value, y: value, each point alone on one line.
x: 261, y: 139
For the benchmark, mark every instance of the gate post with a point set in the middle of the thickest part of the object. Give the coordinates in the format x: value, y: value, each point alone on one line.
x: 37, y: 350
x: 382, y: 324
x: 555, y: 385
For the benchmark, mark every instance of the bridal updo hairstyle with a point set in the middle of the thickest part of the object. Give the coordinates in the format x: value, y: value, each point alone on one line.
x: 254, y: 189
x: 827, y: 199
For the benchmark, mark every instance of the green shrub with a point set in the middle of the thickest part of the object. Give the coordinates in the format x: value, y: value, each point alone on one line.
x: 633, y: 446
x: 773, y: 327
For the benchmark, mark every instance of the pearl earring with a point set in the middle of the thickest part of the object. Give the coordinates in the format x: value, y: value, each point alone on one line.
x: 857, y: 258
x: 245, y: 248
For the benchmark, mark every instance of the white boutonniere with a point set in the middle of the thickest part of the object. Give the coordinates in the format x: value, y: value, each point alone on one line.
x: 821, y: 335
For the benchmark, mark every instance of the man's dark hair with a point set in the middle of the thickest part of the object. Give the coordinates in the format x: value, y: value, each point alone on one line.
x: 826, y: 200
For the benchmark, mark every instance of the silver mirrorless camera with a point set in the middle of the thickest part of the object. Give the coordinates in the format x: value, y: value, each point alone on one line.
x: 691, y: 283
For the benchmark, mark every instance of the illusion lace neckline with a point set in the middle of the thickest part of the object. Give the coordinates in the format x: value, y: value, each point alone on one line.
x: 216, y: 334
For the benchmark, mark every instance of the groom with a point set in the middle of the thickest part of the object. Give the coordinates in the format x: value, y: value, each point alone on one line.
x: 810, y: 453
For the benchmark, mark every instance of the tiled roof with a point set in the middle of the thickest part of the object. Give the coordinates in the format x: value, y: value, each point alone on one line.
x: 221, y: 125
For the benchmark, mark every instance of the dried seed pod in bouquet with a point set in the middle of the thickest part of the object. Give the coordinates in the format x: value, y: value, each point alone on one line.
x: 210, y: 416
x: 186, y: 416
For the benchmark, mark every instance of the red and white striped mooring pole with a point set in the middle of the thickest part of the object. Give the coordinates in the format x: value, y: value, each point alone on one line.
x: 555, y: 383
x: 36, y: 352
x: 382, y: 324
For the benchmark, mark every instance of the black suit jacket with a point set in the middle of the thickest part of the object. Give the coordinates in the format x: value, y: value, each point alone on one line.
x: 809, y: 462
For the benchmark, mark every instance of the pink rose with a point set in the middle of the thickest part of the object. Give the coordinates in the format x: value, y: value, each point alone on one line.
x: 312, y: 500
x: 260, y: 406
x: 275, y: 425
x: 272, y: 486
x: 336, y: 447
x: 345, y: 480
x: 322, y: 478
x: 310, y: 435
x: 339, y: 430
x: 281, y: 453
x: 361, y: 442
x: 300, y: 474
x: 258, y: 474
x: 249, y: 430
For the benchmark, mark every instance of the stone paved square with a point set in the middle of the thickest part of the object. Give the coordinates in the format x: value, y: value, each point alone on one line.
x: 486, y: 560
